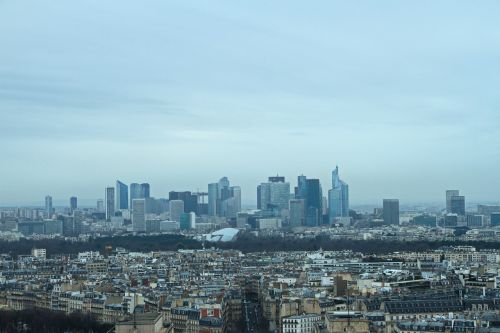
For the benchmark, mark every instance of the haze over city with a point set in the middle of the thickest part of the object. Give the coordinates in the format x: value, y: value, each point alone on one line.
x: 403, y: 97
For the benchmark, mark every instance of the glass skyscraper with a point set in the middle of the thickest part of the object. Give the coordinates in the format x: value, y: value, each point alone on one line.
x: 224, y: 200
x: 314, y: 203
x: 121, y: 195
x: 338, y: 197
x: 274, y: 195
x: 138, y: 191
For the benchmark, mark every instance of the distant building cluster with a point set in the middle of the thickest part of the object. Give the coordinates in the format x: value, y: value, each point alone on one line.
x: 279, y: 207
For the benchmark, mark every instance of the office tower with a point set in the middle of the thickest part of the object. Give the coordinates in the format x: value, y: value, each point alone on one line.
x: 231, y: 206
x: 139, y: 215
x: 224, y: 200
x: 190, y: 200
x: 139, y: 191
x: 301, y: 192
x: 324, y: 204
x: 449, y: 194
x: 135, y: 192
x: 274, y: 195
x: 223, y: 194
x: 236, y: 195
x: 109, y: 198
x: 73, y: 204
x: 338, y: 197
x: 391, y: 211
x: 187, y: 221
x: 176, y: 210
x: 121, y: 196
x: 213, y: 190
x: 297, y: 212
x: 457, y: 205
x: 100, y: 206
x: 145, y: 190
x: 48, y: 206
x: 314, y: 203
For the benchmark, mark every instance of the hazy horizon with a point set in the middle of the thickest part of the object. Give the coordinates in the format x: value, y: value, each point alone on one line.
x: 402, y: 96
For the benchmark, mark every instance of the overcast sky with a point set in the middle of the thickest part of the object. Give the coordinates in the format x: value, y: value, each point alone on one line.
x: 403, y: 95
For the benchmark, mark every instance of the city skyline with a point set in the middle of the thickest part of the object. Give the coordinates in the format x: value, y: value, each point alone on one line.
x: 61, y: 201
x: 405, y: 105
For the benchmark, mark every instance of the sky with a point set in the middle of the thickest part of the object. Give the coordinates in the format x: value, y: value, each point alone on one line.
x: 402, y: 95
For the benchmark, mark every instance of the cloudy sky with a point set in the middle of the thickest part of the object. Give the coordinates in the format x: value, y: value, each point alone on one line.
x: 403, y: 96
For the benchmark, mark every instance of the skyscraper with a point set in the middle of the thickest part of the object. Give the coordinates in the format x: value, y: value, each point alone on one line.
x: 139, y: 215
x: 297, y: 213
x: 449, y: 194
x: 190, y: 200
x: 73, y: 204
x: 135, y: 193
x: 391, y: 211
x: 213, y: 193
x: 48, y: 206
x: 176, y: 210
x: 458, y: 205
x: 338, y: 197
x: 145, y: 190
x: 121, y: 196
x: 224, y: 200
x: 274, y: 195
x: 139, y: 191
x: 109, y: 202
x: 231, y: 206
x: 301, y: 192
x: 314, y: 203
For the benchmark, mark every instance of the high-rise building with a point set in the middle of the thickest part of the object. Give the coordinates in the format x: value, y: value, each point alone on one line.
x: 236, y: 205
x: 139, y: 215
x: 458, y: 205
x: 48, y: 206
x: 73, y: 204
x: 110, y: 202
x: 391, y: 211
x: 176, y: 210
x: 224, y: 200
x: 139, y: 191
x: 301, y: 192
x: 274, y: 195
x: 449, y: 194
x: 135, y: 193
x: 190, y: 200
x: 213, y: 193
x: 231, y: 206
x: 338, y: 197
x: 314, y: 203
x: 121, y: 196
x: 145, y: 190
x: 297, y: 212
